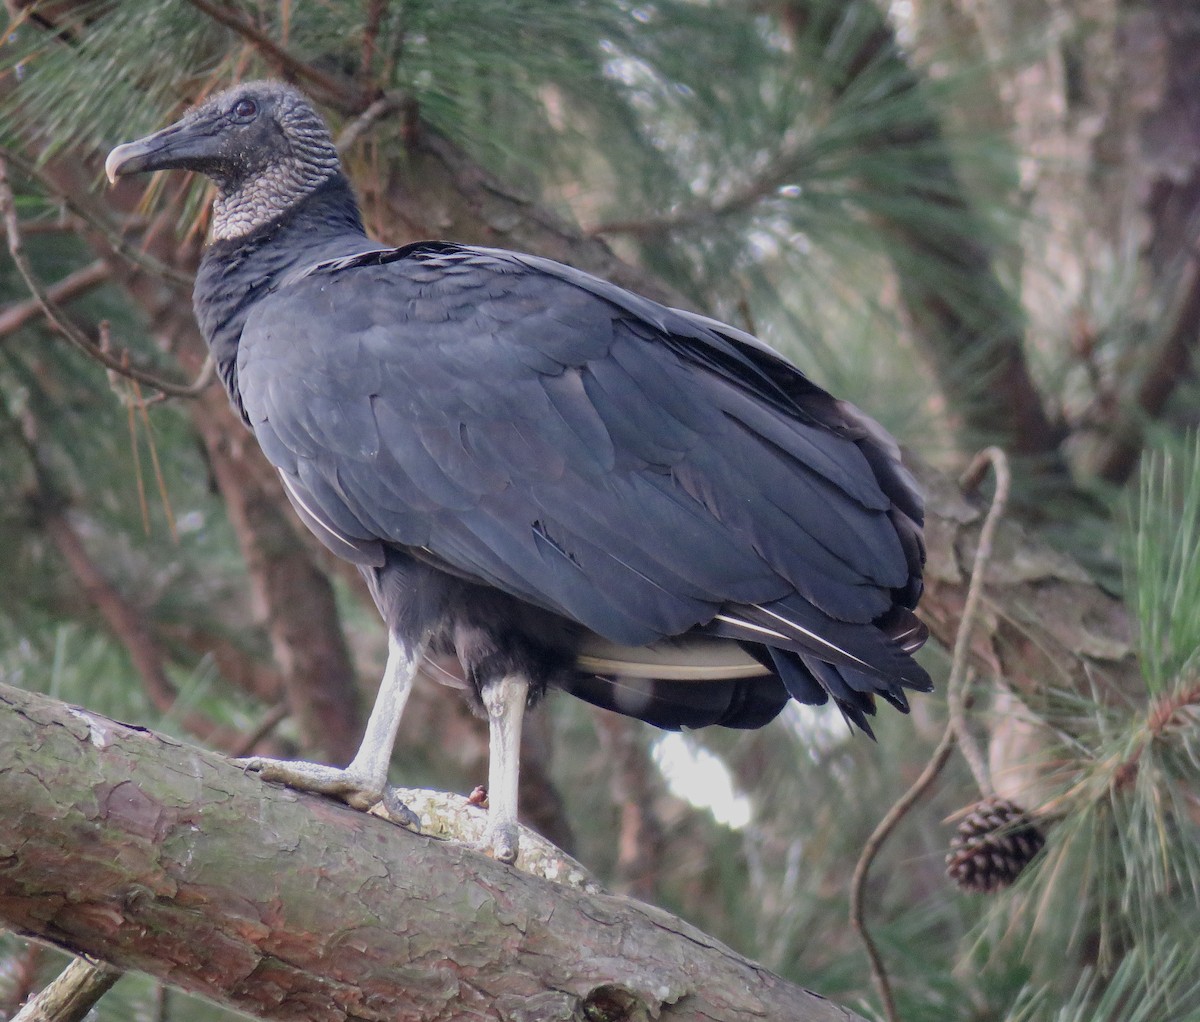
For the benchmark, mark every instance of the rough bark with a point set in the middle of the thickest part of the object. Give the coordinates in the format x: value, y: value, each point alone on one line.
x: 167, y: 859
x: 1165, y: 179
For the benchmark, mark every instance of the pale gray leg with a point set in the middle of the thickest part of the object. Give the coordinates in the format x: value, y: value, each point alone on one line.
x: 505, y: 704
x: 362, y: 783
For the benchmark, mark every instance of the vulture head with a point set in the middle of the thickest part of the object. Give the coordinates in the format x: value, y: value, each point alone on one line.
x: 262, y: 143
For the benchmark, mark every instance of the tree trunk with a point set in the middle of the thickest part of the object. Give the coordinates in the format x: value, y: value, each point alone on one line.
x: 168, y: 859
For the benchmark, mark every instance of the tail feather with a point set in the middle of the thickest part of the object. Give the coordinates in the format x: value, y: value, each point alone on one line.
x: 881, y: 652
x: 742, y: 668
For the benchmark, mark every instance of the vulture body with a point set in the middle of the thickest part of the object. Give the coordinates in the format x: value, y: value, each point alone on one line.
x: 546, y: 480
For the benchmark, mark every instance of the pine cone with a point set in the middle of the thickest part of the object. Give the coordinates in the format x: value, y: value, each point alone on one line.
x: 995, y: 841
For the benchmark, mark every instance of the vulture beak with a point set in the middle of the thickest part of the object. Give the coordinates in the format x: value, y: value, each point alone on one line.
x: 185, y: 145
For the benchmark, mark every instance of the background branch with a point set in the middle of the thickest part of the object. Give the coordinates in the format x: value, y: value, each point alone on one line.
x: 341, y: 94
x: 80, y: 282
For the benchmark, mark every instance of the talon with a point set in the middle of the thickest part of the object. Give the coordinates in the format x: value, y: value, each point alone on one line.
x: 501, y: 842
x: 399, y: 812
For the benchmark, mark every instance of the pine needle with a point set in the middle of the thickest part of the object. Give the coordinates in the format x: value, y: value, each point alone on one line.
x: 135, y: 451
x: 164, y: 496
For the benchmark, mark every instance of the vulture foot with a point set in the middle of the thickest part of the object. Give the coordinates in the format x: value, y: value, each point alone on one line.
x: 355, y: 789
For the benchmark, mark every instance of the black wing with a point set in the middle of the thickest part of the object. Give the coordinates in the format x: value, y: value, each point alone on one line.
x: 640, y: 470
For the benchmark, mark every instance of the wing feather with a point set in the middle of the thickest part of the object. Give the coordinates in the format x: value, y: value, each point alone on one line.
x: 638, y: 469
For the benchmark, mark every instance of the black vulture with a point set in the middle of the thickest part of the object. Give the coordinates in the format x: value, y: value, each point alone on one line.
x: 546, y: 480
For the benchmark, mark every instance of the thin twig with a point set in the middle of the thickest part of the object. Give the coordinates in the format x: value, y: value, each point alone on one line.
x: 881, y: 833
x: 958, y: 692
x: 62, y: 323
x: 341, y: 93
x: 1162, y: 713
x: 689, y: 216
x: 957, y: 682
x: 72, y: 995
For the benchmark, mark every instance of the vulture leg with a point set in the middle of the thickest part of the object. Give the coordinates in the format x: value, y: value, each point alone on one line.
x: 505, y: 703
x: 362, y: 783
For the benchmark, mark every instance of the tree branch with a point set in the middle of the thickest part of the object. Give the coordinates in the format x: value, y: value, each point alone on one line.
x: 167, y: 859
x: 440, y: 191
x: 746, y: 196
x: 956, y: 728
x: 639, y: 839
x: 342, y: 94
x: 18, y: 314
x: 1169, y: 365
x: 71, y: 995
x: 63, y: 324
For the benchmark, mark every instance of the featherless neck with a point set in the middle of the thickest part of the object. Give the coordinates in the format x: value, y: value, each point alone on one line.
x: 264, y: 195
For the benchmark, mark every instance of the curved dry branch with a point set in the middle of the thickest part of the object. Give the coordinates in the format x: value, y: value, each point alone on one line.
x: 956, y: 728
x: 167, y: 859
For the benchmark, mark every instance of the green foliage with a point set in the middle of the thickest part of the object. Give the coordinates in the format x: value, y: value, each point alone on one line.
x: 1151, y: 984
x: 1118, y: 885
x: 1164, y: 572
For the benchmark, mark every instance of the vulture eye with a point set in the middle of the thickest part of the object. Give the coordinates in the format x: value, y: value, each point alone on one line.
x: 245, y: 110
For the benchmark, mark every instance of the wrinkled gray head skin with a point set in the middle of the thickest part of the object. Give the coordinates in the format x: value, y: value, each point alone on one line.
x: 261, y: 142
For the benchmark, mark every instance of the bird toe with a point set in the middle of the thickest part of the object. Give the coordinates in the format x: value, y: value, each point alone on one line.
x: 501, y: 841
x: 354, y: 789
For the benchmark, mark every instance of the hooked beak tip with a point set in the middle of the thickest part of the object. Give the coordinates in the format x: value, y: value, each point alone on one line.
x: 112, y: 165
